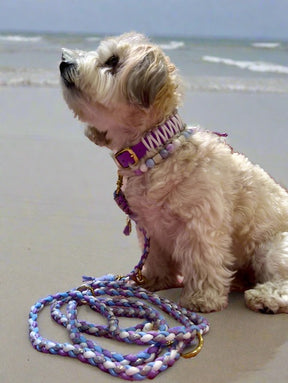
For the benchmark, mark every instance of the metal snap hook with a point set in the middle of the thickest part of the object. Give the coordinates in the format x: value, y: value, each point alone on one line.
x: 83, y: 288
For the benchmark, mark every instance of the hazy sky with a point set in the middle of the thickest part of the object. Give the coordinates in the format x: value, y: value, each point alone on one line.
x: 262, y: 19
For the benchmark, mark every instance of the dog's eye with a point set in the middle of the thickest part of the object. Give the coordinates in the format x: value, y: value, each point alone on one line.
x: 112, y: 61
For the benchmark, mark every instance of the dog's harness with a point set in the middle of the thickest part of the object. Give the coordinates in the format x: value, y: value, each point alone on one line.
x: 115, y: 297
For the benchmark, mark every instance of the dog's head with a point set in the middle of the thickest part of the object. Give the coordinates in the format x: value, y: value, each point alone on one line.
x: 121, y: 89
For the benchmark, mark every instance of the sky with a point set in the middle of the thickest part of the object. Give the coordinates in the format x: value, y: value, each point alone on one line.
x: 261, y: 19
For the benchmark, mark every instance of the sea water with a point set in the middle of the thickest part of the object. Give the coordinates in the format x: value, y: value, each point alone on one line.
x: 207, y: 65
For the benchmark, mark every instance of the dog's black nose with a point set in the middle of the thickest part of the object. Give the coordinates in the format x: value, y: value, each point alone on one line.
x: 65, y: 66
x: 68, y: 72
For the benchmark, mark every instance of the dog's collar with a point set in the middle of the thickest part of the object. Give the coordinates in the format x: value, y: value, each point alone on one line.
x: 153, y: 141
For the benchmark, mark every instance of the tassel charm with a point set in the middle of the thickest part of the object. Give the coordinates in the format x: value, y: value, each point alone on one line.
x: 128, y: 228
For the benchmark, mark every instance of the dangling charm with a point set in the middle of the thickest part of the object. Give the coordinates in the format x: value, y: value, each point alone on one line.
x: 128, y: 228
x: 121, y: 201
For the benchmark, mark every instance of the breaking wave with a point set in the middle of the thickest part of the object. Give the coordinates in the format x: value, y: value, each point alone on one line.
x: 20, y: 39
x: 238, y: 85
x: 254, y: 66
x: 93, y: 38
x: 29, y: 82
x: 266, y: 45
x: 172, y: 45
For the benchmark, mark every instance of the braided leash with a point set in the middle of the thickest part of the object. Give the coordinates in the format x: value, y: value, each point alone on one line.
x: 164, y: 345
x: 116, y: 297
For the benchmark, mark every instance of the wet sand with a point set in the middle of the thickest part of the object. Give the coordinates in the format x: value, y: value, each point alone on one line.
x: 59, y: 222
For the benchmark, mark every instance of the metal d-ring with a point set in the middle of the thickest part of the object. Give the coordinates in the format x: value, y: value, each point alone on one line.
x: 196, y: 350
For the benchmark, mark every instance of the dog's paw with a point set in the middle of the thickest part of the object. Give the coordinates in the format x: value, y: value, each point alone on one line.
x: 204, y: 302
x: 162, y: 283
x: 268, y: 298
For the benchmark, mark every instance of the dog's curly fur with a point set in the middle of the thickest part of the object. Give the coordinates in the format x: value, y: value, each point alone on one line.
x: 213, y: 218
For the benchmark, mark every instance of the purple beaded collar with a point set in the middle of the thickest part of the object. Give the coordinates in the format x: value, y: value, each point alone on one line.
x: 153, y: 140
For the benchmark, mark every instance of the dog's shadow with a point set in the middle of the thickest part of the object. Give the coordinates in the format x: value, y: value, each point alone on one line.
x: 240, y: 344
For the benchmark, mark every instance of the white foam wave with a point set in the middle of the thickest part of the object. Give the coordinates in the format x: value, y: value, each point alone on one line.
x: 242, y: 85
x: 28, y: 82
x: 93, y: 38
x: 20, y: 39
x: 254, y: 66
x: 173, y: 45
x: 266, y: 45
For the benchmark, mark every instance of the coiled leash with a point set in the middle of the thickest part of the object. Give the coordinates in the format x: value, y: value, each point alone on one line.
x: 116, y: 297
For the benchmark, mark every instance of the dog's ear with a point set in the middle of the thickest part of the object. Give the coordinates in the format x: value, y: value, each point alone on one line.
x: 147, y: 78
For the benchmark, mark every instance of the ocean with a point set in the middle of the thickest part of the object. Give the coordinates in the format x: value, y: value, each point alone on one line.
x: 207, y: 65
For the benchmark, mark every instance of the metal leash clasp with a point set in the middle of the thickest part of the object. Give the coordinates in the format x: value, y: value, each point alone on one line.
x: 139, y: 278
x: 83, y: 288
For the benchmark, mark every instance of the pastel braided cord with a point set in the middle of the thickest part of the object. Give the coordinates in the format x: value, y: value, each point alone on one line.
x: 114, y: 299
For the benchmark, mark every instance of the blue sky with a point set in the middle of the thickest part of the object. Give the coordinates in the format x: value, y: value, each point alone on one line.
x: 262, y: 19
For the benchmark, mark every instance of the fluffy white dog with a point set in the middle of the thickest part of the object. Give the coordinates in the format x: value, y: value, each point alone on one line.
x: 215, y: 220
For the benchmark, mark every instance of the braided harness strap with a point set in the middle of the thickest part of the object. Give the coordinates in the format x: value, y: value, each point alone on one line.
x: 116, y: 297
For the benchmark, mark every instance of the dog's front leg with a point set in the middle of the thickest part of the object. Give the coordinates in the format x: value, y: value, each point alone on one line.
x: 160, y: 270
x: 206, y: 272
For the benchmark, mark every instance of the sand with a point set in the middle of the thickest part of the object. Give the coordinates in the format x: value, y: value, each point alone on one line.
x: 59, y: 222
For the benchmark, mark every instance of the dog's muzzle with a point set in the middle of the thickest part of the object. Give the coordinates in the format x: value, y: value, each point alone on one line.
x: 68, y: 68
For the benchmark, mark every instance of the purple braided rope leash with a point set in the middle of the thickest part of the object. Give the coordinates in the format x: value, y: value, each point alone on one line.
x: 116, y: 297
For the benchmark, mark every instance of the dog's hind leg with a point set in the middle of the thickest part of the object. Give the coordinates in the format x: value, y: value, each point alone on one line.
x: 270, y: 264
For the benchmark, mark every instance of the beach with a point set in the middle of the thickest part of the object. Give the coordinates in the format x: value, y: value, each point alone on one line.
x: 59, y: 222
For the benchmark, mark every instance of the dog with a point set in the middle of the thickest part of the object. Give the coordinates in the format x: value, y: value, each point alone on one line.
x: 215, y: 220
